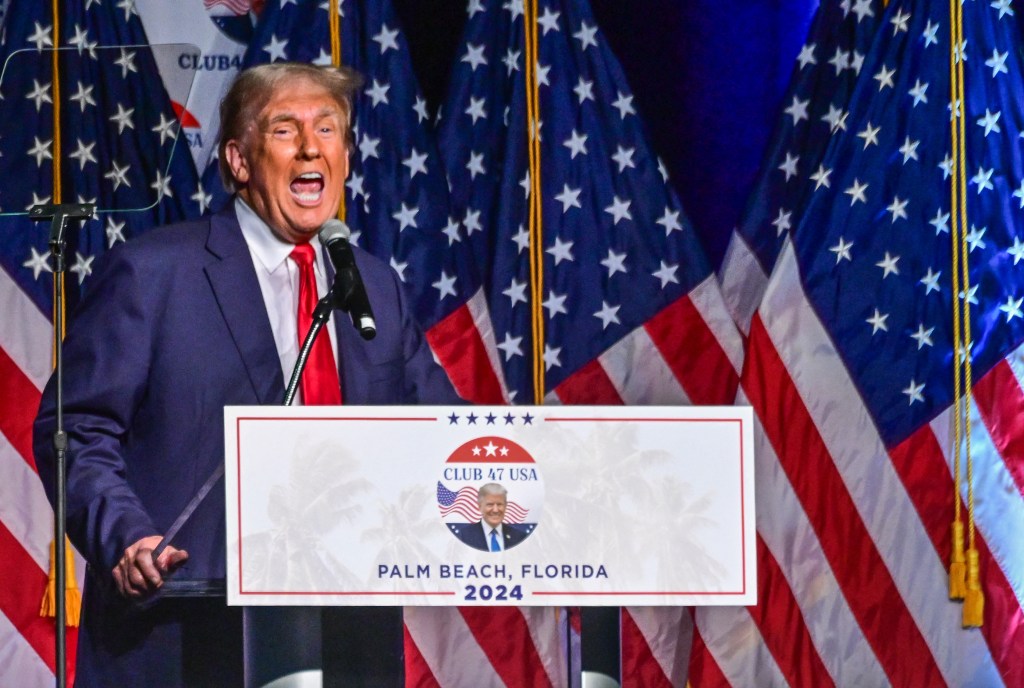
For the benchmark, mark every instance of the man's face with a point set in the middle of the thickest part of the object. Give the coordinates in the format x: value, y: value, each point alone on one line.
x: 291, y: 168
x: 493, y: 508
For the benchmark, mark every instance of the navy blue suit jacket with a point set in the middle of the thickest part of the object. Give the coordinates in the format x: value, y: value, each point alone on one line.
x: 171, y: 330
x: 473, y: 535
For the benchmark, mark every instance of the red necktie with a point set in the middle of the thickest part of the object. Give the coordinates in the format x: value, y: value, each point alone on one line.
x: 319, y: 383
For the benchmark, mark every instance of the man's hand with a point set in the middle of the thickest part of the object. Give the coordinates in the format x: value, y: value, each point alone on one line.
x: 137, y: 576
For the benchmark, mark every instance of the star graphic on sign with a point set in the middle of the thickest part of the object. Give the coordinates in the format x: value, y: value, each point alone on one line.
x: 607, y: 315
x: 562, y: 250
x: 930, y: 281
x: 549, y: 20
x: 386, y: 38
x: 998, y: 63
x: 516, y: 292
x: 416, y: 162
x: 399, y: 268
x: 123, y: 118
x: 162, y: 186
x: 82, y: 266
x: 666, y: 273
x: 83, y: 96
x: 475, y: 164
x: 555, y: 304
x: 490, y: 420
x: 368, y: 148
x: 445, y: 286
x: 624, y: 157
x: 551, y: 360
x: 806, y: 56
x: 165, y: 128
x: 614, y: 262
x: 378, y: 93
x: 918, y: 93
x: 38, y: 263
x: 39, y: 94
x: 619, y: 210
x: 888, y: 265
x: 503, y: 451
x: 884, y: 78
x: 913, y: 392
x: 586, y: 36
x: 202, y: 198
x: 898, y: 208
x: 406, y: 216
x: 990, y: 122
x: 798, y: 109
x: 511, y: 346
x: 43, y: 37
x: 569, y: 198
x: 453, y: 419
x: 788, y: 166
x: 114, y: 231
x: 41, y: 150
x: 670, y: 221
x: 471, y: 419
x: 842, y: 250
x: 472, y: 221
x: 509, y: 419
x: 923, y: 337
x: 476, y: 109
x: 528, y: 419
x: 584, y: 90
x: 420, y: 108
x: 126, y: 62
x: 474, y: 56
x: 83, y: 154
x: 577, y: 144
x: 857, y: 192
x: 624, y: 104
x: 277, y: 49
x: 870, y: 135
x: 877, y: 322
x: 521, y: 239
x: 983, y: 179
x: 491, y: 448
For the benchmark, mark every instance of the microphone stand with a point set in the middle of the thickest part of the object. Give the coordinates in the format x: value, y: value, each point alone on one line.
x: 59, y: 215
x: 321, y: 314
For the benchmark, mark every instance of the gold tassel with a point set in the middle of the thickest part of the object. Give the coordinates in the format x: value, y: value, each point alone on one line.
x: 974, y: 600
x: 73, y: 599
x: 957, y: 565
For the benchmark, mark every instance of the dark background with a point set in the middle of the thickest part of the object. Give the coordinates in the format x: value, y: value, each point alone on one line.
x: 708, y: 78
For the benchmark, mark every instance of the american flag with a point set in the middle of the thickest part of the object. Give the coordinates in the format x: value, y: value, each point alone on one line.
x: 465, y: 502
x: 850, y: 369
x: 823, y: 78
x: 116, y: 152
x: 632, y: 311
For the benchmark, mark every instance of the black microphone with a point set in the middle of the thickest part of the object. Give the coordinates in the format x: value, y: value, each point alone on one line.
x: 348, y: 291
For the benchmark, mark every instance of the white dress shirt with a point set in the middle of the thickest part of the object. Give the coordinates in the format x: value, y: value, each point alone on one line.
x: 487, y: 535
x: 279, y: 283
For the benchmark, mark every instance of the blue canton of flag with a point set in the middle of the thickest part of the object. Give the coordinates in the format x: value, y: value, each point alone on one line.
x: 621, y: 263
x: 824, y: 76
x: 396, y: 199
x: 117, y: 150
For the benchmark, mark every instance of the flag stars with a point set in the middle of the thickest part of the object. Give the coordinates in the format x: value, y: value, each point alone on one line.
x: 386, y: 38
x: 516, y: 292
x: 821, y: 178
x: 624, y: 104
x: 126, y: 62
x: 862, y: 8
x: 1004, y: 7
x: 898, y: 208
x: 1017, y: 250
x: 514, y: 7
x: 420, y: 108
x: 399, y: 268
x: 975, y: 238
x: 909, y: 150
x: 82, y: 266
x: 783, y: 221
x: 511, y: 346
x: 960, y: 52
x: 355, y: 186
x: 162, y: 186
x: 929, y: 34
x: 43, y: 37
x: 123, y: 118
x: 983, y: 179
x: 619, y: 210
x: 511, y: 60
x: 416, y: 162
x: 1012, y: 308
x: 521, y: 239
x: 899, y: 22
x: 472, y: 221
x: 913, y: 392
x: 788, y: 166
x: 923, y: 337
x: 836, y: 118
x: 857, y: 192
x: 202, y: 198
x: 841, y: 60
x: 41, y: 150
x: 475, y: 165
x: 476, y: 108
x: 368, y: 148
x: 624, y: 158
x: 919, y: 93
x: 577, y: 144
x: 940, y: 222
x: 884, y: 78
x: 83, y: 96
x: 165, y: 128
x: 990, y: 122
x: 806, y: 56
x: 614, y: 262
x: 586, y: 36
x: 666, y: 274
x: 118, y: 175
x: 797, y: 109
x: 474, y: 56
x: 555, y: 304
x: 856, y: 62
x: 277, y: 49
x: 607, y: 315
x: 870, y: 135
x: 549, y: 20
x: 81, y: 41
x: 946, y: 166
x: 569, y: 198
x: 542, y: 75
x: 38, y: 262
x: 877, y: 322
x: 406, y: 216
x: 378, y: 93
x: 889, y: 265
x: 39, y: 94
x: 842, y: 250
x: 445, y: 286
x: 451, y: 230
x: 474, y: 7
x: 129, y: 8
x: 970, y: 296
x: 998, y: 63
x: 930, y: 281
x: 584, y: 90
x: 562, y: 250
x: 551, y: 357
x: 83, y: 154
x: 670, y: 221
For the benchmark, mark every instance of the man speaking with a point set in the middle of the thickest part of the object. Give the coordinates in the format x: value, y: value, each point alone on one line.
x: 185, y: 320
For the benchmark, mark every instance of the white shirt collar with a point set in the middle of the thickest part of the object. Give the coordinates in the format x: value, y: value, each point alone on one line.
x: 265, y: 246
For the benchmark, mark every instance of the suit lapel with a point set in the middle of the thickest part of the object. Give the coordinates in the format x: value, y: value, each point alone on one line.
x: 237, y: 290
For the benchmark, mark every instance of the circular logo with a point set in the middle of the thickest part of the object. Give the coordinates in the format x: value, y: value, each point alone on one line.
x: 490, y: 494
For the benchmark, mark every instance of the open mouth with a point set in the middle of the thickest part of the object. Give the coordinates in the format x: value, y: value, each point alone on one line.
x: 308, y: 187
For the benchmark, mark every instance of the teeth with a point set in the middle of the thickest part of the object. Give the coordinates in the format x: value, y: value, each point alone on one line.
x: 310, y: 175
x: 308, y: 196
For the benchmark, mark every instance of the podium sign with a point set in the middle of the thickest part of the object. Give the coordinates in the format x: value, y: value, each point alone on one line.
x: 373, y: 505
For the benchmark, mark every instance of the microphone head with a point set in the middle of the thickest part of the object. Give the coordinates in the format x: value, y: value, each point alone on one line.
x: 332, y: 230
